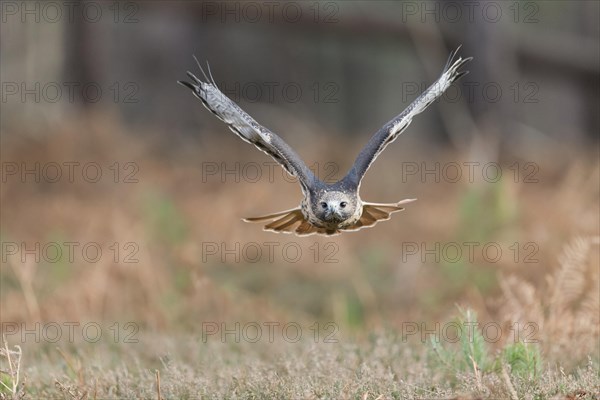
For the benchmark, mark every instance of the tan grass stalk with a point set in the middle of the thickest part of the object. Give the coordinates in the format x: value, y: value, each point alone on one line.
x: 158, y: 395
x: 14, y: 368
x: 509, y: 385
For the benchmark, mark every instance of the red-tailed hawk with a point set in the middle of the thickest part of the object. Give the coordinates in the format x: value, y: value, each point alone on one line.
x: 326, y: 208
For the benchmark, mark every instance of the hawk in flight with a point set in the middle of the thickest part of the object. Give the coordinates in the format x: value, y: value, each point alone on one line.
x: 326, y: 209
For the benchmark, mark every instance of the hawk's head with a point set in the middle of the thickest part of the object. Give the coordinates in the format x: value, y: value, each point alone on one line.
x: 333, y: 206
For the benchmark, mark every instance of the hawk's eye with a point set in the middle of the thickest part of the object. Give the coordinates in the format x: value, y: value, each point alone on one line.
x: 343, y: 204
x: 323, y: 204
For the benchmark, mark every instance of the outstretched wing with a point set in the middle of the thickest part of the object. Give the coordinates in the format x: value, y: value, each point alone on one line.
x: 248, y: 129
x: 390, y: 131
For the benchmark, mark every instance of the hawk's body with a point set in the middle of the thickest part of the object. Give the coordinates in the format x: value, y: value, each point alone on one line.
x: 325, y: 209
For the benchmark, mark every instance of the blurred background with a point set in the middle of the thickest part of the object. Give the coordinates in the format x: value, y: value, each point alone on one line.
x: 122, y: 197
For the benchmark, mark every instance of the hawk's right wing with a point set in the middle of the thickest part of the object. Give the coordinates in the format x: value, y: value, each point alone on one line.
x: 390, y: 131
x: 248, y: 129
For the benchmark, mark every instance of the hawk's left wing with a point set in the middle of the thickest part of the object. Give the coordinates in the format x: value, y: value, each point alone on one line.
x: 390, y: 131
x: 248, y: 129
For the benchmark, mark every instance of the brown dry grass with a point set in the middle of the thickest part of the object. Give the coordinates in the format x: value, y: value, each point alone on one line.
x: 369, y: 293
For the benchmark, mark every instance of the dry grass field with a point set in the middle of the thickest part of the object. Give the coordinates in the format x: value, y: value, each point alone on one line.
x: 127, y: 272
x: 149, y: 285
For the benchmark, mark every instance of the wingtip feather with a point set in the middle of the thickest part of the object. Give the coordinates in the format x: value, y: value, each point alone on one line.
x: 405, y: 201
x: 187, y: 85
x: 193, y: 77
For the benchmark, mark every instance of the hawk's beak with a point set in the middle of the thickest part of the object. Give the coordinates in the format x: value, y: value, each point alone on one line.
x: 334, y: 213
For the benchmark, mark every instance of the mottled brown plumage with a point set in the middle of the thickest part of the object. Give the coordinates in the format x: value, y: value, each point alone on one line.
x: 325, y: 209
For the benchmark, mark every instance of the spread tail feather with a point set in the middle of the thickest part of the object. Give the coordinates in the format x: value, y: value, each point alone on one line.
x: 293, y: 221
x: 289, y: 221
x: 375, y: 212
x: 270, y: 216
